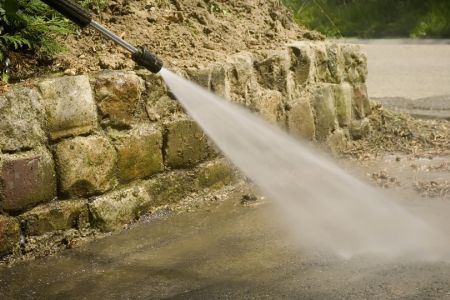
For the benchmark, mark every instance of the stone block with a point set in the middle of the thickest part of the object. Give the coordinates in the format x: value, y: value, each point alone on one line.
x: 162, y: 108
x: 26, y: 179
x: 115, y: 209
x: 139, y: 152
x: 215, y: 174
x: 335, y: 63
x: 85, y: 166
x: 300, y: 119
x: 118, y: 94
x: 321, y: 62
x: 241, y: 77
x: 21, y: 120
x: 186, y: 144
x: 268, y: 104
x: 325, y: 111
x: 336, y: 142
x: 218, y: 80
x: 69, y: 106
x: 200, y: 76
x: 301, y: 62
x: 272, y: 73
x: 360, y: 101
x: 9, y: 234
x: 360, y: 128
x: 171, y: 187
x: 58, y: 215
x: 355, y: 62
x: 343, y: 98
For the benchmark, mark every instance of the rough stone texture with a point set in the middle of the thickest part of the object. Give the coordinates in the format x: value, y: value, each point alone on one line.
x: 161, y: 108
x: 241, y: 78
x: 361, y: 103
x: 139, y: 152
x: 269, y: 105
x: 186, y: 144
x: 9, y: 234
x: 69, y: 106
x: 21, y: 120
x: 115, y: 209
x: 26, y: 179
x: 325, y: 111
x: 302, y: 62
x: 215, y: 174
x: 272, y: 73
x: 59, y: 215
x: 118, y: 94
x: 360, y: 128
x: 336, y: 142
x: 85, y: 166
x: 355, y: 63
x: 171, y: 187
x: 300, y: 120
x: 343, y: 99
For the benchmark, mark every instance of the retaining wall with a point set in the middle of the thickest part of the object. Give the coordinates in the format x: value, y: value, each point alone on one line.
x: 99, y: 151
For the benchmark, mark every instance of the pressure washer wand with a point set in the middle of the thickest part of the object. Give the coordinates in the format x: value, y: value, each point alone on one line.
x: 83, y: 18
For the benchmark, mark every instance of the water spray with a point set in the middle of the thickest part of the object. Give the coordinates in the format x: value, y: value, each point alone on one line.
x: 83, y: 18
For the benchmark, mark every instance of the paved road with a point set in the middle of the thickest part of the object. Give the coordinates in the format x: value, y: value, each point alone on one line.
x: 409, y: 75
x: 407, y: 68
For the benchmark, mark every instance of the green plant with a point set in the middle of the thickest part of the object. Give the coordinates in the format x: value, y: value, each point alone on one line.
x: 30, y: 24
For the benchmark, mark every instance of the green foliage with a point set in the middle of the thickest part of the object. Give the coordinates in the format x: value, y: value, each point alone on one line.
x: 374, y: 18
x: 30, y: 24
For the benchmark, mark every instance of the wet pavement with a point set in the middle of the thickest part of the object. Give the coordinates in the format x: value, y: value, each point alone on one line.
x: 234, y: 251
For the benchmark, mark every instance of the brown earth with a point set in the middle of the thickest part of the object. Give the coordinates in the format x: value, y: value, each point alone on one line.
x: 184, y: 33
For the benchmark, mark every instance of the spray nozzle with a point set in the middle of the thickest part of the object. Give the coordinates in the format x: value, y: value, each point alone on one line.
x: 147, y: 59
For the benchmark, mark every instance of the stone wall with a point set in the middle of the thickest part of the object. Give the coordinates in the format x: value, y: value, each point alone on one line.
x: 98, y: 152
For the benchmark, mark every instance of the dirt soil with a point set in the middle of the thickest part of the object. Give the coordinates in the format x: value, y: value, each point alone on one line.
x: 182, y: 33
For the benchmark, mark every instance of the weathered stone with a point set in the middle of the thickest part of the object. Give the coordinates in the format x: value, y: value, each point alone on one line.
x: 59, y: 215
x: 162, y: 107
x: 115, y: 209
x: 218, y: 81
x: 200, y: 76
x: 336, y: 142
x: 85, y: 165
x: 355, y: 63
x: 186, y: 144
x: 118, y: 94
x: 69, y: 106
x: 343, y: 98
x: 272, y: 72
x: 215, y: 174
x: 268, y: 104
x: 302, y: 62
x: 325, y: 111
x: 9, y: 234
x: 300, y: 119
x: 241, y: 77
x: 335, y: 63
x: 171, y: 187
x: 139, y: 152
x: 26, y: 179
x: 360, y: 128
x: 321, y: 61
x: 360, y: 100
x: 21, y: 120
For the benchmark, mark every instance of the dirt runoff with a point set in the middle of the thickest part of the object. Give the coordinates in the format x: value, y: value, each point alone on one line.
x: 182, y: 33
